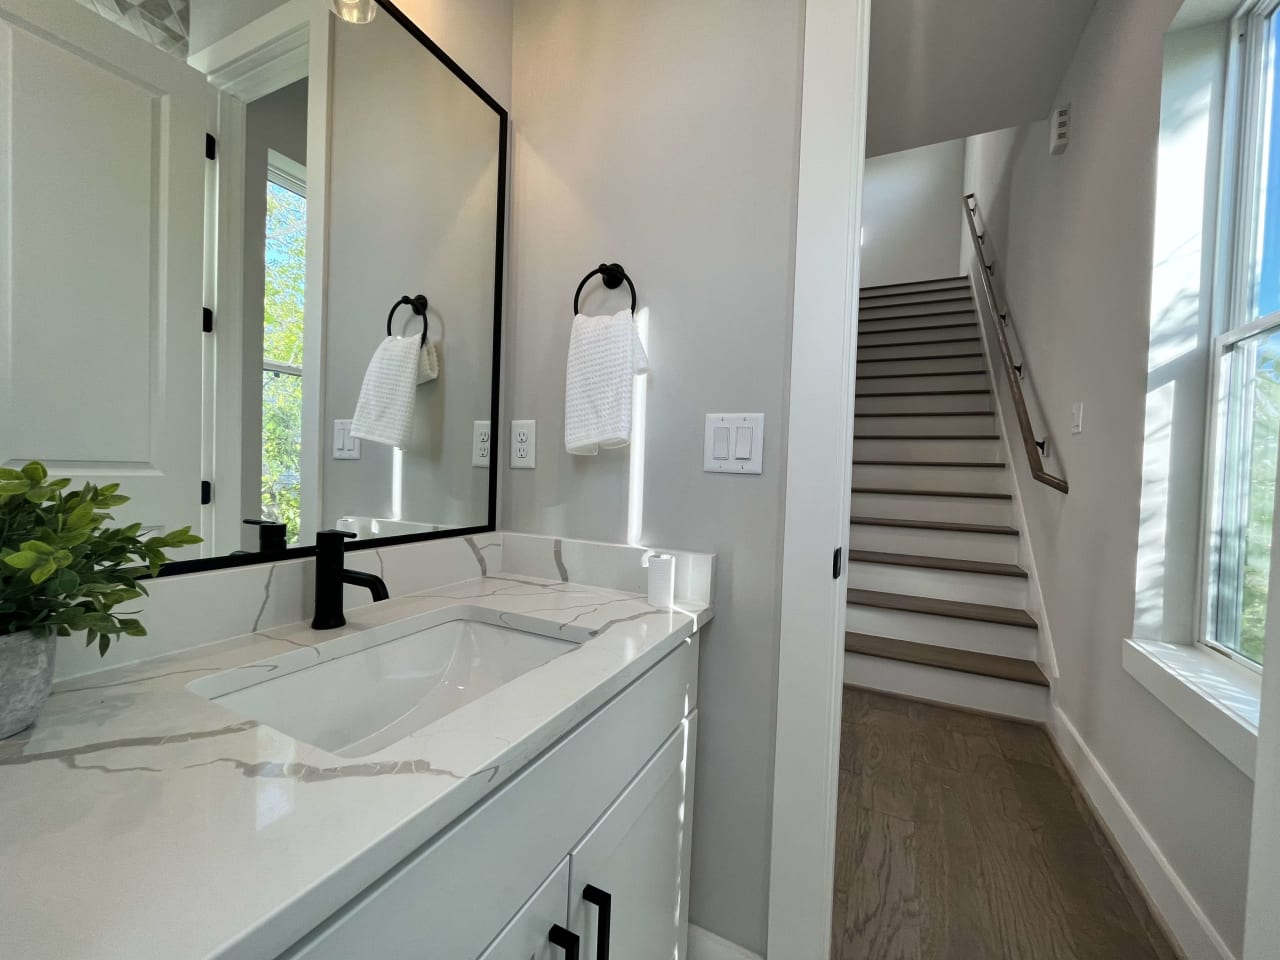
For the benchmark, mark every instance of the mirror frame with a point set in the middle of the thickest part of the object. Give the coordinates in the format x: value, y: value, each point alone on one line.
x: 202, y: 564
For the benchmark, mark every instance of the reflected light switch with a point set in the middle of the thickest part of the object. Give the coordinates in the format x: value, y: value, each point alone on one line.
x: 720, y: 443
x: 742, y: 443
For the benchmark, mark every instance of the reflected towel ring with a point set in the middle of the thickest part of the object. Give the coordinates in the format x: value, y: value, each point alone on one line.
x: 611, y: 275
x: 419, y: 306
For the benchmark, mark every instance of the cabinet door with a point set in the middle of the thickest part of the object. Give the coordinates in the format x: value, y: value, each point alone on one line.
x: 526, y: 937
x: 629, y: 877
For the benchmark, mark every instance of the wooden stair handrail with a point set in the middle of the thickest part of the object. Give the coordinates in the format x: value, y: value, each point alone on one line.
x: 1029, y: 443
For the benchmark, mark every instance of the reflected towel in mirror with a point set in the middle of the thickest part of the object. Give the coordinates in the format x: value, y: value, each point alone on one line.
x: 384, y: 410
x: 605, y: 355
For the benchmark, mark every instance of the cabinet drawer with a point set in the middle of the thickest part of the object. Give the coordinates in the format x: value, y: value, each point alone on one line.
x: 451, y: 898
x: 525, y: 937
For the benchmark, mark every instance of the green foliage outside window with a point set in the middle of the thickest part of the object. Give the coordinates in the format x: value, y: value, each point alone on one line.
x: 285, y: 287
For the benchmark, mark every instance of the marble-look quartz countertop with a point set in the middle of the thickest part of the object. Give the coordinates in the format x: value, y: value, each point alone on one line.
x: 139, y: 820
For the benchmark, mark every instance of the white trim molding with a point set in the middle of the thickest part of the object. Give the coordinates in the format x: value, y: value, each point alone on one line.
x: 833, y: 122
x: 1212, y: 694
x: 1186, y: 923
x: 705, y: 945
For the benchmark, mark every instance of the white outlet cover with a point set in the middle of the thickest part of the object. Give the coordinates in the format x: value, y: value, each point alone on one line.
x: 524, y: 444
x: 481, y: 444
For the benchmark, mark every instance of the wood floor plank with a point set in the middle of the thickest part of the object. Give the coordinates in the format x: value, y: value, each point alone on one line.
x: 986, y: 853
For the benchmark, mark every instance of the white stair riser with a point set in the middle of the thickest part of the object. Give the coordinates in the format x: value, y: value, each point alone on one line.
x: 952, y: 331
x: 968, y: 691
x: 924, y: 403
x: 959, y: 479
x: 899, y: 384
x: 996, y: 548
x: 907, y: 351
x: 878, y: 426
x: 952, y: 305
x: 872, y: 325
x: 919, y: 296
x: 946, y: 509
x: 958, y: 585
x: 917, y: 286
x: 875, y: 448
x: 961, y: 364
x: 995, y: 638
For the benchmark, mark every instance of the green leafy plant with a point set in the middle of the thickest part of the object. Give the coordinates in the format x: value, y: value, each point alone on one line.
x: 62, y: 568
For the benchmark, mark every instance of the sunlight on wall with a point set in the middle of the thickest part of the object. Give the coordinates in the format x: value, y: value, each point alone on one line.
x: 639, y: 401
x: 1177, y: 360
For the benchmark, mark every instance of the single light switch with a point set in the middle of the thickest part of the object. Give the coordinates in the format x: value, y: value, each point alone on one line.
x: 720, y: 443
x: 733, y: 443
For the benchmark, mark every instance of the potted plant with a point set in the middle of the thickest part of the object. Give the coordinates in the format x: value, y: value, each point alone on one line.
x: 63, y: 570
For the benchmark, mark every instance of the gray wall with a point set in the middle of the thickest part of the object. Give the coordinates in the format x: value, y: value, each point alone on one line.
x: 1079, y: 262
x: 277, y: 122
x: 910, y: 207
x: 413, y: 209
x: 664, y: 135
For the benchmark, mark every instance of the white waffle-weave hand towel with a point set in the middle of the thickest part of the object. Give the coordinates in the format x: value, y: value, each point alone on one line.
x: 384, y: 410
x: 605, y: 355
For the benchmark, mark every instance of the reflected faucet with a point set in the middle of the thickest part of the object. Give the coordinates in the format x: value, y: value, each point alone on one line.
x: 331, y: 574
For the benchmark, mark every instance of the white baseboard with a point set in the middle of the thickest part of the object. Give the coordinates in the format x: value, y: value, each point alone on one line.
x: 705, y: 945
x: 1173, y: 902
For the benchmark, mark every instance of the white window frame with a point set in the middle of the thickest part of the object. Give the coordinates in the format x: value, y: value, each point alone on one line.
x: 1243, y: 166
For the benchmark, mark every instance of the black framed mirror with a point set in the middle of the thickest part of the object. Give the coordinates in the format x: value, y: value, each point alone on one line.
x: 289, y: 286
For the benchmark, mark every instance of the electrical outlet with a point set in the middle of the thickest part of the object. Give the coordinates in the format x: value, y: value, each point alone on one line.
x: 1077, y: 417
x: 480, y: 444
x: 524, y: 444
x: 345, y: 446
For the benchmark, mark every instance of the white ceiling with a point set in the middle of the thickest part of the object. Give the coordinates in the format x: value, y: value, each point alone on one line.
x: 942, y: 69
x: 1194, y: 13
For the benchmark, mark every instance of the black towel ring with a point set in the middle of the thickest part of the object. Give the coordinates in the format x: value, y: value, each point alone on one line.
x: 419, y: 306
x: 611, y: 275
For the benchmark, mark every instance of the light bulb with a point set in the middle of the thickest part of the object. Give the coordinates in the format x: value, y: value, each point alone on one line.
x: 354, y: 11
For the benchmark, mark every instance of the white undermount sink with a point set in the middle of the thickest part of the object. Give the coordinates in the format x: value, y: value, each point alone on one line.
x: 358, y: 693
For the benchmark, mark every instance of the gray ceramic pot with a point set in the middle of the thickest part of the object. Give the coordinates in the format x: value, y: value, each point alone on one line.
x: 26, y: 674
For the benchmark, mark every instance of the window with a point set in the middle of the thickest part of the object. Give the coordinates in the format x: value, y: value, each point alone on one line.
x: 1245, y: 419
x: 282, y: 314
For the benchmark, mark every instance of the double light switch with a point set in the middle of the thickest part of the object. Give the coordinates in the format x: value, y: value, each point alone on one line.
x: 733, y: 443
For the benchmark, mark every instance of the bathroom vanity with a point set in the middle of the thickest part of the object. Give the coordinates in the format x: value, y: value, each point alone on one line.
x: 453, y: 774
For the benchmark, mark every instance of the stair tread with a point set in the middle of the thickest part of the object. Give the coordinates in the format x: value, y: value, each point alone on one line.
x: 957, y: 609
x: 916, y: 283
x: 929, y: 393
x: 930, y: 436
x: 993, y: 464
x: 958, y: 325
x: 925, y: 413
x: 965, y: 494
x: 944, y: 525
x: 908, y: 376
x: 916, y: 343
x: 938, y: 563
x: 937, y: 309
x: 940, y: 356
x: 947, y: 658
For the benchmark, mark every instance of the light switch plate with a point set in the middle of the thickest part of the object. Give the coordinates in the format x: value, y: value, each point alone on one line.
x: 738, y: 425
x: 345, y: 446
x: 524, y: 444
x: 1077, y: 417
x: 481, y: 445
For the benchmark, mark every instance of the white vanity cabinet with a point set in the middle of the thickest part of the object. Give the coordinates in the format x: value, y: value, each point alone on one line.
x: 608, y: 805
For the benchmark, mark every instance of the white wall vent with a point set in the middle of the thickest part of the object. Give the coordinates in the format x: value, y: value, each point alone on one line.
x: 1060, y: 130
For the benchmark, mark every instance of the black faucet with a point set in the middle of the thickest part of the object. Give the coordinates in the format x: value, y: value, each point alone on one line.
x: 331, y: 574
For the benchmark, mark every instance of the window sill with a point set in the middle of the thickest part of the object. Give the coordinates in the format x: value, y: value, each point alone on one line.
x: 1217, y: 698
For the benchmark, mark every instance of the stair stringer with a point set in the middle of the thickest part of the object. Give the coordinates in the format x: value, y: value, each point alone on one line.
x: 1003, y: 403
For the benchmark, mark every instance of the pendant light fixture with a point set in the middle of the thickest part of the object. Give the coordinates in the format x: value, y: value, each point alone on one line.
x: 354, y: 11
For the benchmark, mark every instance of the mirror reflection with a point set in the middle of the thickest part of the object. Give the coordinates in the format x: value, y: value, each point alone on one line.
x: 265, y: 299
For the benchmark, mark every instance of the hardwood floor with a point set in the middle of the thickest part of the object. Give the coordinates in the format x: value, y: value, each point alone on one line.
x: 961, y: 838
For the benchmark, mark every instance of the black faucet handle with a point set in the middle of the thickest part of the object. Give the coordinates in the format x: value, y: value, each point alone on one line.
x: 335, y: 535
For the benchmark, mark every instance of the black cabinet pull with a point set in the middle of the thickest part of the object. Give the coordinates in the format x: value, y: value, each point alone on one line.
x: 566, y: 941
x: 604, y: 904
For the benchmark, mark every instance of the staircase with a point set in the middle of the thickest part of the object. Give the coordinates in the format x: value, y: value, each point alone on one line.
x: 937, y: 599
